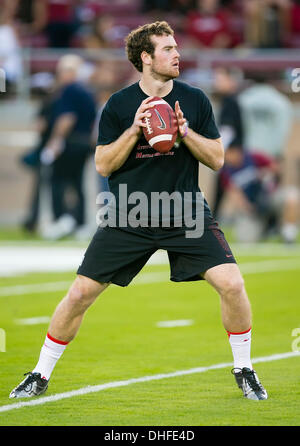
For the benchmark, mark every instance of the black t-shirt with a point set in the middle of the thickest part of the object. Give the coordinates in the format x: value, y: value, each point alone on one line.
x: 230, y: 115
x: 77, y: 99
x: 145, y: 169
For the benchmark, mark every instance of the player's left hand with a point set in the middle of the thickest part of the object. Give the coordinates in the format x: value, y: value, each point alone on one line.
x: 182, y: 122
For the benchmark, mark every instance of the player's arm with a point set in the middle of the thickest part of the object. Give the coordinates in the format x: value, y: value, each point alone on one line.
x: 208, y: 151
x: 111, y: 157
x: 56, y: 142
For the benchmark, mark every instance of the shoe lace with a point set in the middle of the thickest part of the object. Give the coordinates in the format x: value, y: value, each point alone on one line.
x: 31, y: 378
x: 250, y: 377
x: 252, y: 380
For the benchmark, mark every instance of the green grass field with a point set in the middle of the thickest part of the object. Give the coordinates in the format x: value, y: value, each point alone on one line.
x: 120, y: 340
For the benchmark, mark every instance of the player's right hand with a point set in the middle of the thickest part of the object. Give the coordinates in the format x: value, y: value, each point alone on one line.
x: 141, y: 113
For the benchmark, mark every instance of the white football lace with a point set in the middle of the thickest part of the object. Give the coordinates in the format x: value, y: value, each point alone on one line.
x: 148, y: 126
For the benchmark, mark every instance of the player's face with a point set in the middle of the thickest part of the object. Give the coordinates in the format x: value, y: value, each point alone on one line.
x: 165, y: 61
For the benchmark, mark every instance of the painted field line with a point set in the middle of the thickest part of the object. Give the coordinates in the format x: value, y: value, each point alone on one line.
x: 33, y: 320
x: 175, y: 323
x: 151, y: 277
x: 98, y: 388
x: 34, y: 288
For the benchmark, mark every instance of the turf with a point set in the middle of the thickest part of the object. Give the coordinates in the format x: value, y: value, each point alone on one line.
x: 119, y: 340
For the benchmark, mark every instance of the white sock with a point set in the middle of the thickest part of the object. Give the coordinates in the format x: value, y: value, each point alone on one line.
x: 50, y: 354
x: 241, y: 347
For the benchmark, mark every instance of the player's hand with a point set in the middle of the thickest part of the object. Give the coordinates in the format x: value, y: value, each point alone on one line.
x: 182, y: 122
x: 141, y: 113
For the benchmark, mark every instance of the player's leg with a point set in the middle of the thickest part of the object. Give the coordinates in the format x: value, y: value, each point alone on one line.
x: 113, y: 256
x: 237, y: 320
x: 63, y: 327
x: 235, y: 305
x: 69, y: 313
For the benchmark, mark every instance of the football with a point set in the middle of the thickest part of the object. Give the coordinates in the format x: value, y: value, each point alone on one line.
x: 161, y: 128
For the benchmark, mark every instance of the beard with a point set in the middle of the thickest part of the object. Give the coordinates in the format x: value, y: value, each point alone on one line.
x: 163, y: 75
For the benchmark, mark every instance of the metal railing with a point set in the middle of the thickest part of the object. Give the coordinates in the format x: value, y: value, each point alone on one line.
x: 268, y: 60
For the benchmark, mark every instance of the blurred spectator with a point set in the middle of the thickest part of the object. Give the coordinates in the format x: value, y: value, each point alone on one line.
x: 10, y: 50
x: 227, y: 82
x: 32, y: 161
x: 176, y: 16
x: 248, y: 181
x: 104, y: 33
x: 156, y: 6
x: 102, y: 97
x: 72, y: 119
x: 61, y: 24
x: 293, y: 24
x: 183, y: 7
x: 31, y: 15
x: 105, y: 74
x: 208, y: 26
x: 55, y: 18
x: 265, y: 23
x: 267, y: 118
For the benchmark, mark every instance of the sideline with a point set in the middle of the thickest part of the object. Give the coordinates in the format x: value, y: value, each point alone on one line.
x: 259, y: 267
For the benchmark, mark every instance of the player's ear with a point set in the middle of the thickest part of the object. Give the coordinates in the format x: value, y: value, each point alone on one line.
x: 146, y: 58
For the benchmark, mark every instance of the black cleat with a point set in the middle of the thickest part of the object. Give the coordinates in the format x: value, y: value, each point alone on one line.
x: 248, y: 381
x: 33, y: 385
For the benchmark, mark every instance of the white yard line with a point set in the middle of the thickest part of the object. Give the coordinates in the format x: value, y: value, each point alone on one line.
x: 128, y: 382
x: 33, y: 320
x: 34, y: 288
x: 151, y: 277
x: 177, y: 323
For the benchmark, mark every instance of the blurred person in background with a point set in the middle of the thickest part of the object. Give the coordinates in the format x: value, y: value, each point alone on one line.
x: 183, y: 7
x: 60, y: 23
x: 98, y: 35
x: 227, y: 81
x: 292, y: 39
x: 104, y: 33
x: 31, y: 160
x: 248, y: 181
x: 102, y: 97
x: 267, y: 119
x: 156, y: 8
x: 73, y: 113
x: 10, y: 48
x: 29, y: 16
x: 54, y: 18
x: 266, y: 23
x: 208, y: 26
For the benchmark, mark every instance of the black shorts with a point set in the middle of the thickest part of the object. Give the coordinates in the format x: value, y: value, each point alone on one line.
x: 117, y: 255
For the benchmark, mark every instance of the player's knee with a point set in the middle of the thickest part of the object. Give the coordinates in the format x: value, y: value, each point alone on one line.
x: 81, y: 295
x: 77, y: 296
x: 84, y: 291
x: 233, y: 286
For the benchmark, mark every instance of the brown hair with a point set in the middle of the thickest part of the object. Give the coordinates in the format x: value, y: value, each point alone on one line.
x: 139, y: 40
